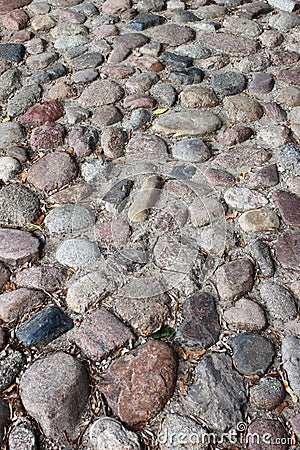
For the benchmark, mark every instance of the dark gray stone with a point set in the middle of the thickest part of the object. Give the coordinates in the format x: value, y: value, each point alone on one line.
x: 183, y: 172
x: 51, y: 73
x: 262, y: 254
x: 228, y: 83
x: 192, y: 150
x: 23, y: 100
x: 12, y: 52
x: 4, y: 418
x: 268, y: 393
x: 10, y: 82
x: 291, y: 361
x: 11, y: 364
x: 119, y: 192
x: 164, y: 94
x: 19, y: 205
x: 280, y: 304
x: 217, y: 394
x: 186, y: 76
x: 252, y: 353
x: 44, y: 326
x: 173, y: 61
x: 143, y: 21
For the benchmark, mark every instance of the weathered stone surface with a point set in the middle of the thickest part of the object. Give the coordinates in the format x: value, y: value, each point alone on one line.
x: 252, y: 353
x: 243, y: 157
x: 235, y: 135
x: 139, y: 101
x: 15, y: 20
x: 9, y: 167
x: 262, y: 83
x: 145, y: 199
x: 261, y: 252
x: 178, y: 431
x: 218, y: 177
x: 290, y: 358
x: 55, y: 390
x: 50, y: 135
x: 14, y: 304
x: 144, y: 313
x: 118, y: 193
x: 205, y: 210
x: 22, y: 435
x: 17, y: 247
x: 12, y: 52
x: 4, y: 275
x: 198, y: 97
x: 101, y: 333
x: 7, y: 6
x: 268, y: 433
x: 242, y: 199
x: 243, y: 108
x: 48, y: 278
x: 115, y: 6
x: 101, y: 92
x: 279, y: 303
x: 18, y: 205
x: 69, y: 219
x: 290, y: 76
x: 289, y: 207
x: 107, y: 431
x: 246, y: 315
x: 235, y: 278
x: 10, y: 81
x: 200, y: 327
x: 192, y: 150
x: 287, y: 250
x: 41, y: 113
x: 147, y: 147
x: 268, y: 393
x: 78, y: 253
x: 229, y: 43
x: 228, y: 83
x: 259, y: 220
x: 10, y: 132
x: 267, y: 176
x: 52, y: 171
x: 172, y: 34
x: 190, y: 122
x: 87, y: 290
x: 130, y: 40
x: 11, y: 364
x: 4, y: 418
x: 113, y: 141
x: 83, y: 140
x: 44, y: 326
x: 23, y: 99
x: 217, y: 393
x: 138, y: 385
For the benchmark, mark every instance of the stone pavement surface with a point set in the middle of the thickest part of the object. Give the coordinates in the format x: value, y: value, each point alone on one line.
x: 149, y: 224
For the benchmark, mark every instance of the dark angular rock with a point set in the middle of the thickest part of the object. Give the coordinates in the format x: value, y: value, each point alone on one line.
x: 186, y: 76
x: 119, y: 192
x: 51, y: 73
x: 87, y: 61
x: 128, y: 260
x: 267, y: 176
x: 12, y: 52
x: 201, y: 326
x: 228, y: 83
x: 183, y: 172
x: 143, y: 21
x: 235, y: 135
x: 262, y: 254
x: 175, y: 61
x: 138, y: 385
x: 289, y: 207
x: 252, y: 353
x: 44, y: 326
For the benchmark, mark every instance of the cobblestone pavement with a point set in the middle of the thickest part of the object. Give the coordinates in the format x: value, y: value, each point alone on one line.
x: 149, y: 224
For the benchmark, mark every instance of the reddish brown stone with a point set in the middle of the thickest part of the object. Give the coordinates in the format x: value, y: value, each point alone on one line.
x: 15, y: 20
x: 265, y: 177
x: 266, y: 434
x: 235, y: 135
x: 235, y: 278
x: 41, y: 113
x: 48, y: 278
x: 138, y: 385
x: 289, y: 207
x: 47, y: 136
x: 274, y: 112
x: 14, y: 304
x: 147, y: 147
x: 201, y: 325
x: 17, y: 247
x: 115, y: 231
x: 281, y: 57
x: 130, y: 40
x: 8, y: 5
x: 290, y: 76
x: 118, y: 71
x: 139, y: 101
x: 106, y: 30
x: 229, y: 43
x: 21, y: 36
x: 219, y: 177
x: 243, y: 157
x: 52, y: 171
x: 100, y: 333
x: 147, y: 62
x: 287, y: 250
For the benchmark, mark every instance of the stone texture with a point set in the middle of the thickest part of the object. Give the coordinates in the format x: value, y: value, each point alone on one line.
x: 48, y: 278
x: 100, y: 333
x: 113, y: 141
x: 259, y: 220
x: 243, y: 199
x: 17, y: 247
x: 290, y: 76
x: 246, y: 315
x: 52, y: 171
x: 11, y: 364
x: 172, y: 34
x: 200, y: 327
x: 189, y: 122
x: 149, y: 147
x: 287, y: 250
x: 78, y: 253
x: 83, y: 140
x: 4, y: 418
x: 228, y: 83
x: 9, y: 167
x: 69, y: 219
x: 15, y: 304
x: 12, y: 52
x: 252, y: 353
x: 18, y: 205
x: 267, y: 176
x: 243, y: 157
x: 101, y: 92
x: 235, y: 278
x: 261, y: 252
x: 290, y: 358
x: 41, y: 113
x: 10, y: 81
x: 4, y: 275
x: 106, y: 432
x: 22, y: 436
x: 268, y: 432
x: 54, y: 390
x: 267, y: 394
x: 147, y: 382
x: 289, y: 207
x: 235, y: 135
x: 217, y: 393
x: 44, y: 326
x: 242, y: 108
x: 50, y: 135
x: 177, y: 430
x: 23, y: 99
x: 7, y: 6
x: 10, y: 132
x: 279, y: 303
x: 192, y: 150
x: 229, y: 43
x: 218, y: 177
x: 262, y: 83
